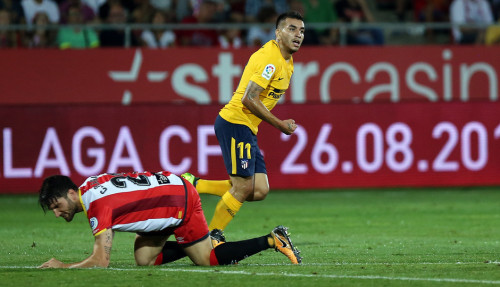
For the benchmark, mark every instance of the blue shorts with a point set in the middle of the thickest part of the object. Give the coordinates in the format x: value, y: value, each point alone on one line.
x: 239, y: 147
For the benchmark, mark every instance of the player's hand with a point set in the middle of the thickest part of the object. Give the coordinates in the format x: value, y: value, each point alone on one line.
x: 52, y: 263
x: 288, y: 126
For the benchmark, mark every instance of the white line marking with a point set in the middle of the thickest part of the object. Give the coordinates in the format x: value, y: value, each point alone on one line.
x: 372, y: 277
x: 177, y: 264
x: 282, y: 274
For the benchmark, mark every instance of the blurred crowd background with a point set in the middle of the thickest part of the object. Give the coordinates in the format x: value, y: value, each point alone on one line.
x: 67, y: 24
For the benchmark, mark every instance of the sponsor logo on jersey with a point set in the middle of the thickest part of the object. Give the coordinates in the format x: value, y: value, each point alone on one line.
x: 268, y: 71
x: 162, y: 179
x: 93, y: 223
x: 276, y: 93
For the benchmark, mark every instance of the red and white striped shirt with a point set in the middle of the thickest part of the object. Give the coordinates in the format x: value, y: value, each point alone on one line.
x: 134, y: 202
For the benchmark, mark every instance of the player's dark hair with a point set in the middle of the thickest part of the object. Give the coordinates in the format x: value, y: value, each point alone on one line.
x: 290, y: 14
x: 54, y: 187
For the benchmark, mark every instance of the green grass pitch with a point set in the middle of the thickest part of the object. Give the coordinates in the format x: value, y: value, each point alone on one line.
x: 382, y: 237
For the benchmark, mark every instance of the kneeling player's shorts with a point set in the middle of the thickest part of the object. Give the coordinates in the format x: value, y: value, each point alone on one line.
x: 239, y: 147
x: 194, y: 228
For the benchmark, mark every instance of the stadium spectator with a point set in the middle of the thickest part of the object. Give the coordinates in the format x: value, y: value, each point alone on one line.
x: 86, y: 11
x: 16, y: 16
x: 128, y: 5
x: 8, y: 38
x: 104, y: 9
x: 493, y: 31
x: 253, y: 7
x: 401, y: 6
x: 40, y: 36
x: 431, y: 11
x: 158, y: 38
x: 495, y: 7
x: 230, y: 38
x: 200, y: 37
x: 33, y: 7
x: 76, y: 37
x: 265, y: 79
x: 154, y: 206
x: 232, y: 12
x: 222, y: 12
x: 195, y: 5
x: 184, y: 9
x: 143, y: 12
x: 317, y: 11
x: 236, y: 10
x: 15, y: 10
x: 163, y: 5
x: 257, y: 35
x: 463, y: 12
x: 493, y: 35
x: 115, y: 37
x: 357, y: 11
x: 310, y: 35
x: 94, y: 5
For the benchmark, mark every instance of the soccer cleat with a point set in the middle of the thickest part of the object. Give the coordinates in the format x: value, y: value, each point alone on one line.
x: 217, y: 237
x: 283, y: 244
x: 190, y: 177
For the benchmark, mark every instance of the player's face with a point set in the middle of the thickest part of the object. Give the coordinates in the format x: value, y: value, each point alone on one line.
x: 291, y: 34
x: 64, y: 207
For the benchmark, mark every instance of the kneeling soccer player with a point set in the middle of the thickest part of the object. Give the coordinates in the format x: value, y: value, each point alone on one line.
x: 155, y: 206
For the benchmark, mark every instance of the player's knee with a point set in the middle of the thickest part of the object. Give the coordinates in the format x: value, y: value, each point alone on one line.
x: 260, y: 193
x: 201, y: 261
x: 143, y: 261
x: 243, y: 188
x: 201, y: 257
x: 143, y: 255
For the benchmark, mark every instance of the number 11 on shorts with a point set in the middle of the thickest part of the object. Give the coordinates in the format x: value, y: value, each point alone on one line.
x: 241, y: 147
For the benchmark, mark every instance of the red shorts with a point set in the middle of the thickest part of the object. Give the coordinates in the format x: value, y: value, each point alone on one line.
x: 193, y: 228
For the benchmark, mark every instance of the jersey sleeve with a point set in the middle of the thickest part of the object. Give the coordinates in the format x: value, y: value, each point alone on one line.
x: 99, y: 221
x: 264, y: 68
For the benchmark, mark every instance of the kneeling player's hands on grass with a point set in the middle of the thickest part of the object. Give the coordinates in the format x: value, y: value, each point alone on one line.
x: 52, y: 263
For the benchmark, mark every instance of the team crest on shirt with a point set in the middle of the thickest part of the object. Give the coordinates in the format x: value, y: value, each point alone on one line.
x: 268, y: 71
x: 93, y: 223
x: 244, y: 164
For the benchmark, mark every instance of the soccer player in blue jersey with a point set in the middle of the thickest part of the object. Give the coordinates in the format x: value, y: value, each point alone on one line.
x: 265, y: 79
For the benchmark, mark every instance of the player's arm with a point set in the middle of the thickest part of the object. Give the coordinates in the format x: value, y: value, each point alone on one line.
x: 99, y: 258
x: 252, y: 102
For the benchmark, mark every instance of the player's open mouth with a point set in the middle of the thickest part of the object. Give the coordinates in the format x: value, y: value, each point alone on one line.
x: 296, y: 43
